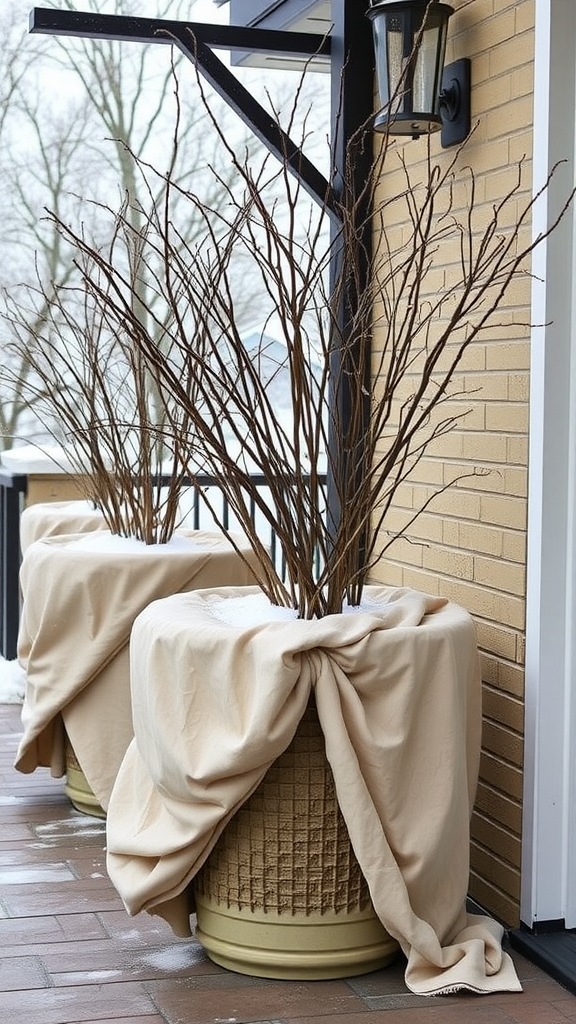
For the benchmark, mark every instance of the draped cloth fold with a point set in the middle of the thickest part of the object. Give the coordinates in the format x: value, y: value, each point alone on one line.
x: 50, y: 518
x: 397, y: 689
x: 79, y: 603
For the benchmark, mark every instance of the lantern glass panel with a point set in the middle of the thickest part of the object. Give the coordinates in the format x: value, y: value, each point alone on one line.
x: 425, y: 83
x: 409, y: 80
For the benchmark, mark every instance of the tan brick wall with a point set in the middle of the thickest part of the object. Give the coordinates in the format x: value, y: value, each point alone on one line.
x: 470, y: 543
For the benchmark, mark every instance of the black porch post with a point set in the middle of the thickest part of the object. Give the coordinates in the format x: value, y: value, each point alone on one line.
x: 352, y: 103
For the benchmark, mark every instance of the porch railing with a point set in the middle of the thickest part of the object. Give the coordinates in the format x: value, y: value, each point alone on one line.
x: 13, y: 491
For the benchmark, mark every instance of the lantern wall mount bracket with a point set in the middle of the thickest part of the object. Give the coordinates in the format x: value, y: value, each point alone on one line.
x: 455, y: 103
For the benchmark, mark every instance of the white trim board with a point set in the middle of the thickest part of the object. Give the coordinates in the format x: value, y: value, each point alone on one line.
x: 549, y: 821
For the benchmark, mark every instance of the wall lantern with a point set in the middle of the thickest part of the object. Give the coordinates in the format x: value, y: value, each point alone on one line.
x: 417, y: 93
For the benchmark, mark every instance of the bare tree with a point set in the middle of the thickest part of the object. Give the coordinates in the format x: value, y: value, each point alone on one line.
x: 45, y: 167
x: 69, y: 155
x: 223, y: 398
x: 13, y: 71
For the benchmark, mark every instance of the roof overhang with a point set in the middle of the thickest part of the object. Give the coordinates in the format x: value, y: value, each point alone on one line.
x: 313, y: 16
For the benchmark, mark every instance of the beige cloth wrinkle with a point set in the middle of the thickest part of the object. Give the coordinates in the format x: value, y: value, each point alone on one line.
x: 77, y: 615
x: 398, y: 697
x: 52, y: 518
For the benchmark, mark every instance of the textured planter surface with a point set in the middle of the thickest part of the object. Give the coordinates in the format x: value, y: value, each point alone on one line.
x: 77, y: 789
x: 282, y: 894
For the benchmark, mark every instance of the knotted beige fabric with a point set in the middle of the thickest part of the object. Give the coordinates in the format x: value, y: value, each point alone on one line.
x: 80, y: 601
x: 398, y: 696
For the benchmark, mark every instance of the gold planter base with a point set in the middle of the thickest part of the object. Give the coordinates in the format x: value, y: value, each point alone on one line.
x: 77, y: 788
x: 316, y: 947
x: 282, y: 894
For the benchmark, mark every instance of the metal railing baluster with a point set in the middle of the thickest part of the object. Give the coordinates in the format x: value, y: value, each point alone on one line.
x: 13, y: 489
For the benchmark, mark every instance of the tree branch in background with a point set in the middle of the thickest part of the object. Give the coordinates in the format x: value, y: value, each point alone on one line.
x: 69, y: 108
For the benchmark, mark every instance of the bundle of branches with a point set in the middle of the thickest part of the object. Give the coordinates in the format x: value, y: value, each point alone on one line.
x: 92, y: 392
x: 218, y: 399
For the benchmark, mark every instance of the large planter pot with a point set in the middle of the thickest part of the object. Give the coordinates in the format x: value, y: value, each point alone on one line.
x: 397, y: 691
x: 81, y: 594
x: 282, y: 894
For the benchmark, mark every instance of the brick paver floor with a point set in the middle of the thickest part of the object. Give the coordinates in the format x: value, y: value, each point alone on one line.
x: 69, y: 953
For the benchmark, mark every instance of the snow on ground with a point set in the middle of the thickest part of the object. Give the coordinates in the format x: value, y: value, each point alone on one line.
x: 12, y: 682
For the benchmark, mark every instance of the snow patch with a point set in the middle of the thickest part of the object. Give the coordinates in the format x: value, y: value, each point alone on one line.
x: 12, y: 682
x: 112, y: 543
x: 249, y: 610
x: 33, y: 458
x: 89, y: 977
x: 74, y: 826
x: 29, y: 874
x: 174, y: 958
x: 368, y: 604
x: 257, y: 610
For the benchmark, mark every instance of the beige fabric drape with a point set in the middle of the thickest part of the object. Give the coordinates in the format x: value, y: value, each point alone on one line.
x: 398, y: 697
x: 49, y: 518
x: 77, y: 614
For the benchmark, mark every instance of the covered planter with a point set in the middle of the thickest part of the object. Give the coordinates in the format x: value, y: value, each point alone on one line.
x: 54, y: 518
x: 397, y: 690
x: 81, y: 594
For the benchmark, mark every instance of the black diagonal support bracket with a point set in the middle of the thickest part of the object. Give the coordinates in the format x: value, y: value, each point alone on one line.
x: 263, y: 125
x: 196, y: 40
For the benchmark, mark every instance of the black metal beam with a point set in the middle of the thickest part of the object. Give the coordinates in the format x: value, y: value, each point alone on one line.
x: 157, y: 30
x: 195, y: 40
